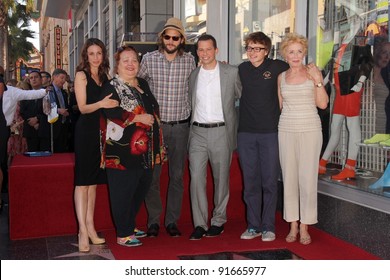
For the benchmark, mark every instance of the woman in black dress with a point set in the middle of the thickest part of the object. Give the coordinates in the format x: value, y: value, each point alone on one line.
x: 91, y: 74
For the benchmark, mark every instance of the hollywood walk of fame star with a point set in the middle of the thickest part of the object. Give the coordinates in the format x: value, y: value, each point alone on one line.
x: 96, y: 251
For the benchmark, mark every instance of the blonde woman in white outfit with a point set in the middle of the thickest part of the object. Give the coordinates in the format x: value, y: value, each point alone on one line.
x: 300, y: 91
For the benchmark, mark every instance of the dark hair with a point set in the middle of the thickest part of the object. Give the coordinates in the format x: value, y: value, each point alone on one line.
x: 259, y: 38
x: 70, y: 84
x: 59, y: 71
x: 118, y: 53
x: 206, y: 37
x: 104, y: 67
x: 46, y: 73
x: 39, y: 73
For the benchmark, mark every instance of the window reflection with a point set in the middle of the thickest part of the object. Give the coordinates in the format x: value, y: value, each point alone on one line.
x: 343, y: 27
x: 380, y: 90
x: 274, y: 18
x: 195, y: 15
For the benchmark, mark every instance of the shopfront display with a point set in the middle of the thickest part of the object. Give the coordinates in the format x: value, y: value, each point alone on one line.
x: 358, y: 136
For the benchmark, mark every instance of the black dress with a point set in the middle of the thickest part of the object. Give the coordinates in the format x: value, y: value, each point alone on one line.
x: 87, y: 141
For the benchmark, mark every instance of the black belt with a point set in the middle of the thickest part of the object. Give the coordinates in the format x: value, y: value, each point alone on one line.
x: 176, y: 122
x: 209, y: 125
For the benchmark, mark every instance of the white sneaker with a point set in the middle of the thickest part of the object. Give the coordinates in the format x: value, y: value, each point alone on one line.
x: 250, y: 234
x: 268, y: 236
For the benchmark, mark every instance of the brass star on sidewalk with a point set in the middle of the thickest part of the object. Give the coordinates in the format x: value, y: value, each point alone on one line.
x: 96, y: 251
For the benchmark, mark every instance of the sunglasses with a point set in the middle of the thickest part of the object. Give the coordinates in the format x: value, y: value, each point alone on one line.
x: 174, y: 38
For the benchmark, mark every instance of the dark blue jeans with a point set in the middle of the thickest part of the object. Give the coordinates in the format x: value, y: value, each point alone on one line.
x: 259, y: 160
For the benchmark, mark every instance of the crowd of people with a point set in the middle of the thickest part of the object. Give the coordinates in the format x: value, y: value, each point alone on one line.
x: 11, y: 140
x: 165, y: 108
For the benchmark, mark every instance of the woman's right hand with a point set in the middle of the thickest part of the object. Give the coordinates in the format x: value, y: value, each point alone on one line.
x: 146, y: 119
x: 107, y: 102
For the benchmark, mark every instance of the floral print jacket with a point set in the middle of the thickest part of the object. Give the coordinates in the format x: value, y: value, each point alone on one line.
x: 125, y: 144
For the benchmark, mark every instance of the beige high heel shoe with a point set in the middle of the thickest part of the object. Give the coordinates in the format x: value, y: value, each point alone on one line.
x: 96, y: 240
x: 83, y: 248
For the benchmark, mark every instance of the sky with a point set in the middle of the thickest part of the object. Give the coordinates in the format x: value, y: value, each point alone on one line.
x: 34, y: 26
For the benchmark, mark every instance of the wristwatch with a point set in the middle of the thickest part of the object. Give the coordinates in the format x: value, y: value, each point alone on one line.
x: 320, y: 84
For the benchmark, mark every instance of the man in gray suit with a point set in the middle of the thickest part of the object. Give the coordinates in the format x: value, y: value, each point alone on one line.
x: 214, y: 88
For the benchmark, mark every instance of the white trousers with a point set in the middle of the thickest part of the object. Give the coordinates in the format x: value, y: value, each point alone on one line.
x: 299, y: 154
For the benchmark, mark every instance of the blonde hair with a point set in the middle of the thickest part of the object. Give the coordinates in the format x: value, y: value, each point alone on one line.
x: 291, y: 38
x: 23, y: 85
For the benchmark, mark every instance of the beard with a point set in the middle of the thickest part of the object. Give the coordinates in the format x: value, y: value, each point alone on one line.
x: 170, y: 51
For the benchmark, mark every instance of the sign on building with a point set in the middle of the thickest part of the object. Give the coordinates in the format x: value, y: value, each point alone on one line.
x: 57, y: 47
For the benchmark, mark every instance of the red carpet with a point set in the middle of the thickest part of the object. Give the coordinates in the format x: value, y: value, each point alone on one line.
x: 164, y: 247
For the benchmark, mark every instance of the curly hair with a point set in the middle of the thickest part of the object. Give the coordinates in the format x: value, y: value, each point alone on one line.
x: 381, y: 48
x: 104, y: 67
x: 291, y: 38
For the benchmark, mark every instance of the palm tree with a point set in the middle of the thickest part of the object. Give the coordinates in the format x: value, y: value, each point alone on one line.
x: 19, y: 47
x: 5, y: 5
x: 14, y: 14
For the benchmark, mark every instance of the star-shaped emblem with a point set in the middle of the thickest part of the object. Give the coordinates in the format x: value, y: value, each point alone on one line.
x: 96, y: 252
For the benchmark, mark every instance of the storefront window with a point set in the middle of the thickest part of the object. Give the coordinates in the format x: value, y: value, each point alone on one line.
x: 353, y: 49
x: 274, y: 18
x: 106, y: 25
x: 195, y: 16
x: 118, y: 22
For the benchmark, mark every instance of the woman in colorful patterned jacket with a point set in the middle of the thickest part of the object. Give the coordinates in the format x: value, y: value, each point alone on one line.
x: 132, y: 143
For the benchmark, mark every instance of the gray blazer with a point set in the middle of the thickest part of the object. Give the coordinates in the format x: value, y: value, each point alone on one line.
x: 230, y: 91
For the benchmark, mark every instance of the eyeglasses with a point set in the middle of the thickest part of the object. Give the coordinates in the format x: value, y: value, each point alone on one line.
x: 255, y: 49
x: 174, y: 38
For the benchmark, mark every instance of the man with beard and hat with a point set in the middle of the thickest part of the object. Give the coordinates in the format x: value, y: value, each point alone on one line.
x: 167, y: 70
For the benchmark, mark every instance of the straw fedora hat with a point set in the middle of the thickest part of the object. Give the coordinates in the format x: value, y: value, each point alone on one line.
x: 173, y: 23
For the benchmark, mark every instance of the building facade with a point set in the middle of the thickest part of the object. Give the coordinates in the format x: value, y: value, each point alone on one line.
x: 326, y: 24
